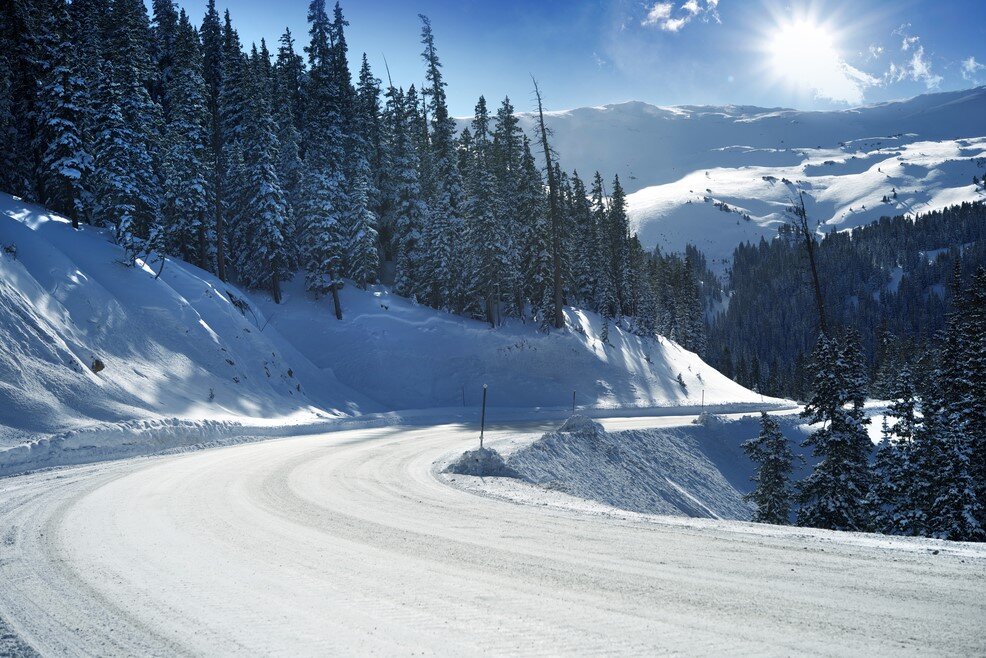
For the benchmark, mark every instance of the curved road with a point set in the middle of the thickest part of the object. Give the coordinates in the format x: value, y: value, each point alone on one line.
x: 347, y: 542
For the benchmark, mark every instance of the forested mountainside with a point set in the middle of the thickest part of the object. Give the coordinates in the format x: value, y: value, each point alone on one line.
x: 892, y: 281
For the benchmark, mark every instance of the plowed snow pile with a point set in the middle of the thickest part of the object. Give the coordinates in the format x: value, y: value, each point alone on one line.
x: 695, y: 470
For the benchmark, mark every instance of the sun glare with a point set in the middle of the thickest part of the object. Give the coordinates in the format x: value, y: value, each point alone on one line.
x: 797, y: 51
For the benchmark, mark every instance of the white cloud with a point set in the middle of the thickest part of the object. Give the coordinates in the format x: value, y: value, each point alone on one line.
x: 876, y: 51
x: 662, y: 15
x: 921, y: 70
x: 918, y: 68
x: 970, y: 67
x: 660, y: 12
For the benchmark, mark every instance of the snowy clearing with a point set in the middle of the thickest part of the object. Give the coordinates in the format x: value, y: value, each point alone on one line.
x: 347, y: 542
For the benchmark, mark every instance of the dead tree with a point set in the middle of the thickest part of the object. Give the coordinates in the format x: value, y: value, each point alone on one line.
x: 799, y: 219
x: 552, y: 211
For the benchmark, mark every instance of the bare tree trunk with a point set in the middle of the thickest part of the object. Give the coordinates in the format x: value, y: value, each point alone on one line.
x: 801, y: 216
x: 220, y: 241
x: 275, y: 289
x: 335, y: 301
x: 552, y: 213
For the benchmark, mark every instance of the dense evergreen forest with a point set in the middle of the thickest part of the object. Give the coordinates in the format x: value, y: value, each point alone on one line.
x: 891, y: 281
x: 258, y: 166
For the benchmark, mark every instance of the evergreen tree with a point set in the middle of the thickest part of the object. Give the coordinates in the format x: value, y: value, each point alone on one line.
x: 773, y: 493
x: 324, y: 185
x: 835, y: 494
x: 65, y: 163
x: 265, y: 254
x: 186, y: 170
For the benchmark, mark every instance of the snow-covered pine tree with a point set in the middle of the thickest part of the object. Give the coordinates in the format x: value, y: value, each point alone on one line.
x: 506, y: 158
x: 264, y: 261
x: 835, y: 494
x: 129, y: 64
x: 361, y: 222
x: 485, y: 235
x: 211, y: 36
x: 583, y: 237
x: 536, y: 233
x: 65, y: 163
x: 324, y: 201
x: 186, y: 161
x: 408, y: 212
x: 773, y: 493
x: 605, y: 301
x: 231, y: 108
x: 892, y: 488
x: 287, y: 109
x: 444, y: 230
x: 619, y: 235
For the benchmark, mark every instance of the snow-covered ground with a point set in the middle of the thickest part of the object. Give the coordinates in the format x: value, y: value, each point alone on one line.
x: 188, y: 359
x: 348, y: 543
x: 683, y: 163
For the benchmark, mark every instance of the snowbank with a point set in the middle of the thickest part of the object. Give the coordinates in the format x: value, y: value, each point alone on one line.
x: 696, y: 470
x: 483, y: 462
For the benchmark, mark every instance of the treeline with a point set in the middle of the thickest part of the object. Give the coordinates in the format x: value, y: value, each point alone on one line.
x: 891, y: 281
x: 256, y: 165
x: 928, y: 477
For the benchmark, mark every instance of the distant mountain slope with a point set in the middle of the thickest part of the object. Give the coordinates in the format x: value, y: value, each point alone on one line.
x: 187, y: 346
x: 674, y: 158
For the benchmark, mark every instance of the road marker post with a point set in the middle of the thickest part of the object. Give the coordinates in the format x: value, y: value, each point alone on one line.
x: 482, y: 420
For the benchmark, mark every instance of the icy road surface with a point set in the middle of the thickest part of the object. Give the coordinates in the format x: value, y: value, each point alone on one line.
x: 347, y: 542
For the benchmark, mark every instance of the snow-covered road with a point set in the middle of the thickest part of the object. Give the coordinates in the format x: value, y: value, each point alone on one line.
x: 346, y: 542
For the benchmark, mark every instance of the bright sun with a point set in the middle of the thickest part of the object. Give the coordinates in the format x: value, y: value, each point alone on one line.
x: 798, y: 50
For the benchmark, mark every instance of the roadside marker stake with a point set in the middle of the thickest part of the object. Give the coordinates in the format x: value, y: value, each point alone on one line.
x: 482, y: 420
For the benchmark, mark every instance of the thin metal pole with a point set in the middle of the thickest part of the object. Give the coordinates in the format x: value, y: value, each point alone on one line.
x: 482, y: 420
x: 703, y: 400
x: 573, y: 403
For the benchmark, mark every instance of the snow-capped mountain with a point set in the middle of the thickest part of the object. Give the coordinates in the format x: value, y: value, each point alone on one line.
x: 715, y: 176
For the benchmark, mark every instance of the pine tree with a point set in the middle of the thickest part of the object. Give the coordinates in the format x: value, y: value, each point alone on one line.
x: 364, y: 261
x: 129, y: 64
x: 618, y: 235
x: 772, y: 454
x: 407, y: 210
x: 211, y: 35
x: 485, y: 236
x: 835, y: 494
x: 186, y: 163
x: 324, y: 185
x: 65, y: 163
x: 265, y: 255
x: 605, y: 286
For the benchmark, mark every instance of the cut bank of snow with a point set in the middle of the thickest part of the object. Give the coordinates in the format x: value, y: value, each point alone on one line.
x: 696, y: 470
x: 184, y: 365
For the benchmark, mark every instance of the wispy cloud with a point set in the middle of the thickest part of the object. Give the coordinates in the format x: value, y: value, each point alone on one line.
x: 664, y: 16
x: 918, y: 68
x: 970, y: 69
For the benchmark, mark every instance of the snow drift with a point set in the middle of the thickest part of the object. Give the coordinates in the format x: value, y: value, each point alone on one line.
x: 695, y: 470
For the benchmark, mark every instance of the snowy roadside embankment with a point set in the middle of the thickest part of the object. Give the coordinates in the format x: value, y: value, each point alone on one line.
x: 696, y: 470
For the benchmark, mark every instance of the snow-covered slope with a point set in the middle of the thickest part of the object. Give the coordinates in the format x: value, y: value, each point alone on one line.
x: 187, y: 346
x: 171, y: 347
x: 680, y: 162
x: 406, y: 356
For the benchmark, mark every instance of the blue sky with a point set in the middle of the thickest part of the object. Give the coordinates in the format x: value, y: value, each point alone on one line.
x: 809, y: 55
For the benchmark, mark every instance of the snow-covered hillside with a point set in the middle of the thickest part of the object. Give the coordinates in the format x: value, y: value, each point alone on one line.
x: 187, y: 346
x: 686, y: 165
x: 175, y: 346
